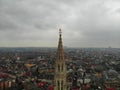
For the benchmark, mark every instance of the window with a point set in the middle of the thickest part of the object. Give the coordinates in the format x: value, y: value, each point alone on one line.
x: 58, y: 85
x: 62, y: 67
x: 62, y: 85
x: 58, y: 67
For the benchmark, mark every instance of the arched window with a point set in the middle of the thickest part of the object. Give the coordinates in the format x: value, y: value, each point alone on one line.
x: 58, y: 85
x: 58, y: 67
x: 62, y: 85
x: 62, y: 67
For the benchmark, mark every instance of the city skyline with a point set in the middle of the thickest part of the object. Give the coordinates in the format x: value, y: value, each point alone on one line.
x: 84, y: 23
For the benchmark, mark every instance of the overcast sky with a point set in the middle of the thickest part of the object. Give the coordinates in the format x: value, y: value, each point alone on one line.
x: 84, y: 23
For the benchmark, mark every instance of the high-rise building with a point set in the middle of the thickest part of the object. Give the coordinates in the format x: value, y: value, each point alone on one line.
x: 60, y: 67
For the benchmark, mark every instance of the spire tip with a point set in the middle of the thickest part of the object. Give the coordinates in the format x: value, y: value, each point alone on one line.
x: 60, y: 31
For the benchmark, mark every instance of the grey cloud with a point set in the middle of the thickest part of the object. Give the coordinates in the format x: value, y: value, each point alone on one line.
x: 87, y: 21
x: 118, y: 10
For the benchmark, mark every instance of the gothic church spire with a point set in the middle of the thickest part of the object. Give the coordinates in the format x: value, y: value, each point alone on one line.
x: 60, y: 52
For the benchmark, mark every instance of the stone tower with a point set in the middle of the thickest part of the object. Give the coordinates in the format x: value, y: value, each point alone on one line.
x: 60, y: 67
